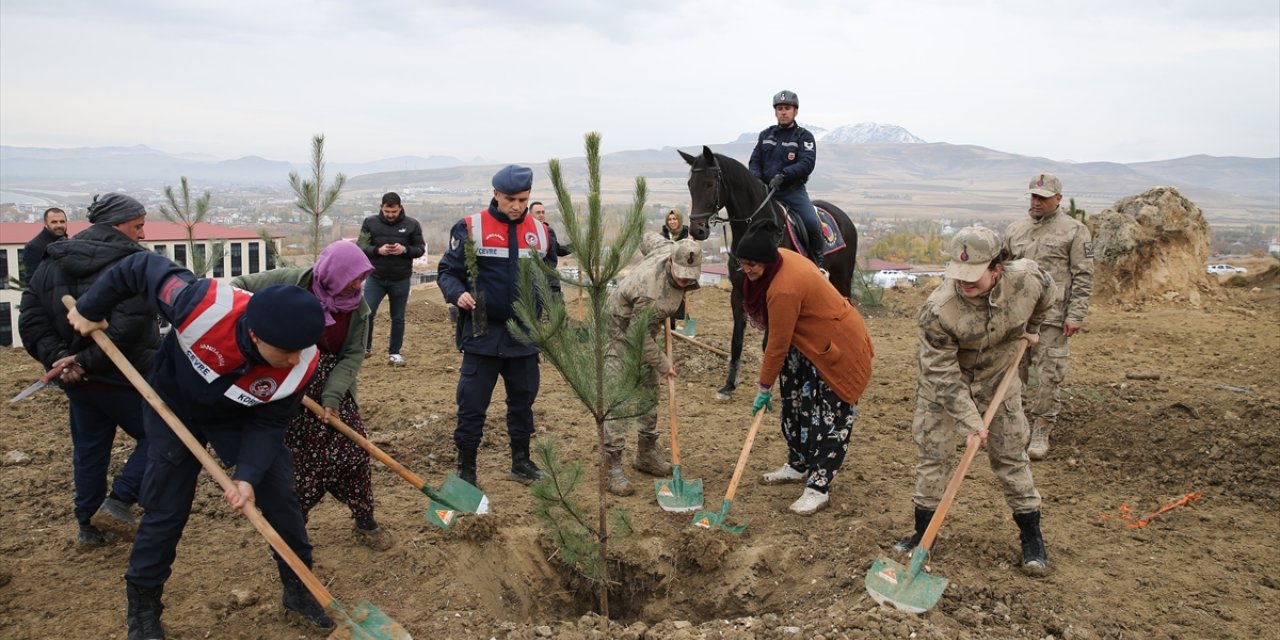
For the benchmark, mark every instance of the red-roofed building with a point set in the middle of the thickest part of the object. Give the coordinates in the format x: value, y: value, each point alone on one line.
x: 243, y: 252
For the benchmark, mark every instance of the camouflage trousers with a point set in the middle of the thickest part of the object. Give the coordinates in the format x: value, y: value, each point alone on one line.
x: 1042, y: 371
x: 646, y: 424
x: 936, y: 435
x: 816, y: 422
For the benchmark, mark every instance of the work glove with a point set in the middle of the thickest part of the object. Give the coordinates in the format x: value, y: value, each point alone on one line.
x: 776, y: 181
x: 764, y: 400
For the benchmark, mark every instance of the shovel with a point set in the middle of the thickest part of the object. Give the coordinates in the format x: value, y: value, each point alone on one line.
x: 911, y: 588
x: 676, y: 495
x: 455, y: 497
x: 365, y: 622
x: 710, y: 519
x: 688, y: 328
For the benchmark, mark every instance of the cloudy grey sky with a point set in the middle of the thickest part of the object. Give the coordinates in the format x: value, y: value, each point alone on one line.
x: 523, y: 81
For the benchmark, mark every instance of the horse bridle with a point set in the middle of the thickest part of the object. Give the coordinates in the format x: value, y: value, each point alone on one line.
x: 712, y: 216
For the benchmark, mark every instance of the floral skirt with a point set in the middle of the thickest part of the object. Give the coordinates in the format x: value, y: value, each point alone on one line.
x: 816, y: 423
x: 325, y: 460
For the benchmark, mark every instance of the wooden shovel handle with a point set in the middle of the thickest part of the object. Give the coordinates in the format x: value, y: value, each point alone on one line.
x: 699, y: 343
x: 746, y: 453
x: 250, y: 510
x: 970, y: 450
x: 382, y: 456
x: 671, y: 404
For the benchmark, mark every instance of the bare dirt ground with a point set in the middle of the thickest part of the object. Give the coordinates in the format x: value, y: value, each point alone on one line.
x: 1207, y: 570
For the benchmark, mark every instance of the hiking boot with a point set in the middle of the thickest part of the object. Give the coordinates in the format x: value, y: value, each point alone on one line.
x: 909, y: 544
x: 522, y: 468
x: 299, y: 602
x: 649, y: 457
x: 809, y: 502
x: 467, y: 466
x: 369, y: 534
x: 117, y: 517
x: 1035, y: 558
x: 618, y: 483
x: 144, y: 612
x: 395, y: 360
x: 1040, y: 430
x: 786, y: 474
x: 89, y: 537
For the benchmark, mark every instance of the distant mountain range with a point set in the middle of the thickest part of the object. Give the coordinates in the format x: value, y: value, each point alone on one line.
x: 861, y: 133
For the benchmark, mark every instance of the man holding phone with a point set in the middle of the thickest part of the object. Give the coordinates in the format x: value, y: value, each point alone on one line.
x: 392, y: 240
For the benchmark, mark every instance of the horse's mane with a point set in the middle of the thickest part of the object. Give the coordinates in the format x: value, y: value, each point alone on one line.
x: 734, y: 169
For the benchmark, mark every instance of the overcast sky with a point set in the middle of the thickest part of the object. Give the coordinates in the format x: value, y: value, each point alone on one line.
x: 523, y: 81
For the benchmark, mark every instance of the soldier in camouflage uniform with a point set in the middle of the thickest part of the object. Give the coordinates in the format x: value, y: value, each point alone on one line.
x: 1063, y: 246
x: 658, y: 283
x: 969, y: 331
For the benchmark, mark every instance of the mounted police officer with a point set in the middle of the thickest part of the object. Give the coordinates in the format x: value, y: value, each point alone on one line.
x: 784, y: 156
x: 485, y: 294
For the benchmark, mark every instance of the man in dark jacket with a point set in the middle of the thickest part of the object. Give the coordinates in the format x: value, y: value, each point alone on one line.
x: 392, y: 240
x: 500, y: 235
x: 233, y: 370
x: 55, y: 229
x: 785, y: 155
x: 99, y: 395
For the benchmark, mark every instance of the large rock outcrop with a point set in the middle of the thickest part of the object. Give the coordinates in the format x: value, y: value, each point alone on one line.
x: 1151, y: 246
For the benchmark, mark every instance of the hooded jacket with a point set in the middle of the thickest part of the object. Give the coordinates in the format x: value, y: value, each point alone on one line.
x: 70, y: 268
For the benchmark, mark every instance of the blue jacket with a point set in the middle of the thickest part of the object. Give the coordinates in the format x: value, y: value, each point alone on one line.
x: 791, y: 152
x: 174, y: 293
x: 498, y: 282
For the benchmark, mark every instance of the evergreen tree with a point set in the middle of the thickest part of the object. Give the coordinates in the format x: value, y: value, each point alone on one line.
x: 188, y: 215
x: 314, y: 198
x: 607, y: 376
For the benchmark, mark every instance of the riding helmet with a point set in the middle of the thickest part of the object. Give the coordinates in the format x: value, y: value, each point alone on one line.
x: 786, y: 97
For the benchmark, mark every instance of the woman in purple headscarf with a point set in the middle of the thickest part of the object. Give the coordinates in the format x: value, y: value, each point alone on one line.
x: 324, y: 460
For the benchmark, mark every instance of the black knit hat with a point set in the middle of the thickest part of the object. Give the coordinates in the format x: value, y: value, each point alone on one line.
x: 286, y: 317
x: 115, y: 208
x: 759, y: 243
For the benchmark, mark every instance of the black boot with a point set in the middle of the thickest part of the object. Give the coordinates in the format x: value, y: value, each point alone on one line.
x: 522, y: 468
x: 467, y: 465
x: 1035, y: 558
x: 144, y: 612
x: 298, y: 600
x: 908, y: 544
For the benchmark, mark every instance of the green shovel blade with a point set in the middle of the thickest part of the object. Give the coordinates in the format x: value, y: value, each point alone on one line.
x: 711, y: 519
x: 677, y: 495
x: 454, y: 498
x: 689, y: 328
x: 909, y: 589
x: 365, y: 622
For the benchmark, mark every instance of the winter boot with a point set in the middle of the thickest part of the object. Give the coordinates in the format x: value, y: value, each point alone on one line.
x: 1035, y: 558
x: 117, y: 517
x: 810, y: 502
x: 144, y: 612
x: 1040, y: 431
x: 649, y: 457
x: 618, y: 483
x: 297, y: 601
x: 908, y: 544
x: 371, y: 535
x: 786, y: 474
x: 90, y: 537
x: 467, y: 465
x: 522, y: 468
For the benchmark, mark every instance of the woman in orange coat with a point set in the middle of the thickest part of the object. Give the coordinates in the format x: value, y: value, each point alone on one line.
x: 817, y: 347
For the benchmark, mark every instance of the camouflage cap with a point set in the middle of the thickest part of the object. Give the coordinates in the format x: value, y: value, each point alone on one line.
x: 1045, y: 185
x: 686, y: 260
x: 972, y: 249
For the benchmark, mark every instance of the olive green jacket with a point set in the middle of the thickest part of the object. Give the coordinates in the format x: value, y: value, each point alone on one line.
x: 343, y: 377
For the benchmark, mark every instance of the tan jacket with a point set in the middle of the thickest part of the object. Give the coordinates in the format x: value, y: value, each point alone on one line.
x: 806, y: 312
x: 967, y: 343
x: 1063, y: 246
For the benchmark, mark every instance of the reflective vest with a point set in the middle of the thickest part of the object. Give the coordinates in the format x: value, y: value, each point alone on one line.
x: 490, y: 236
x: 208, y: 337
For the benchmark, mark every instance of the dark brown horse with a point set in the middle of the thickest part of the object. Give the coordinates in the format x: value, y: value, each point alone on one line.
x: 719, y: 182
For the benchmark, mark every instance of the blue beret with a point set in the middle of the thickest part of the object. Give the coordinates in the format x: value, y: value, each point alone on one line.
x: 513, y: 179
x: 286, y: 317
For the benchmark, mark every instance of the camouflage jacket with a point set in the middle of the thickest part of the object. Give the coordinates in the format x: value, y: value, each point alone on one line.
x: 648, y: 286
x: 967, y: 343
x: 1063, y: 246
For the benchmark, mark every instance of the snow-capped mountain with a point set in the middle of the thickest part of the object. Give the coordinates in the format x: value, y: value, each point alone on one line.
x: 861, y: 133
